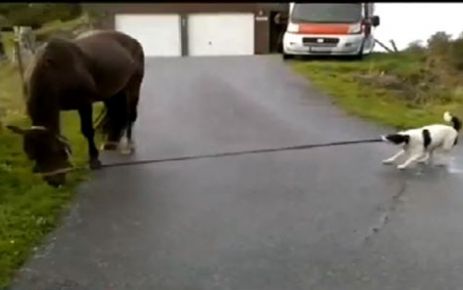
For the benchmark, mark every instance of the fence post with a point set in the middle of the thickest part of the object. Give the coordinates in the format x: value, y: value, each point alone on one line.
x: 18, y: 54
x: 383, y: 46
x: 2, y: 48
x: 393, y: 45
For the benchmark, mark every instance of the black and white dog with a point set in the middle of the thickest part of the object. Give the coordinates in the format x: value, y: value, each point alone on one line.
x: 418, y: 145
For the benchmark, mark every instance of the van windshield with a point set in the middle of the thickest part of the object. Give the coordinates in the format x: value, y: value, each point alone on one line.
x: 326, y: 12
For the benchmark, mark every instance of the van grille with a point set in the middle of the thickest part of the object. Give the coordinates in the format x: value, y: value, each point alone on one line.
x: 325, y: 41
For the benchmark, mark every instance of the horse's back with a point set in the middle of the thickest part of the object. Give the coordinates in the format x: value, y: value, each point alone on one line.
x: 109, y: 41
x: 92, y: 67
x: 115, y: 58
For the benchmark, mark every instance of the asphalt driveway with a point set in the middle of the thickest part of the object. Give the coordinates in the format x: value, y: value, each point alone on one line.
x: 325, y: 218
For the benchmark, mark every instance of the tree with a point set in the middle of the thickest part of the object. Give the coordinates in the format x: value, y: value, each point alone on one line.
x: 415, y: 47
x: 439, y: 43
x: 456, y: 54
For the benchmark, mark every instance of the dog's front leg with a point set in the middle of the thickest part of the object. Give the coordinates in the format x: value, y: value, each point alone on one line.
x: 415, y: 157
x: 394, y: 158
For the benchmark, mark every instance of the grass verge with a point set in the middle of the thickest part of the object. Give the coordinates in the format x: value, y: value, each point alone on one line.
x: 360, y: 88
x: 29, y: 209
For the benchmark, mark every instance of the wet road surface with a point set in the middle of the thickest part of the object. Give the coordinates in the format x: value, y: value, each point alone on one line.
x: 324, y: 218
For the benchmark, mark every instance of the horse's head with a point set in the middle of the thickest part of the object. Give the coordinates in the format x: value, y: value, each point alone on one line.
x: 51, y: 153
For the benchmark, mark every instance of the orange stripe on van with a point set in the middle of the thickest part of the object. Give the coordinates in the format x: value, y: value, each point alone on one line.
x: 323, y: 28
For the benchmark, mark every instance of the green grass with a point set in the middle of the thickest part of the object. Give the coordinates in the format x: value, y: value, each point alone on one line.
x: 29, y: 209
x: 373, y: 102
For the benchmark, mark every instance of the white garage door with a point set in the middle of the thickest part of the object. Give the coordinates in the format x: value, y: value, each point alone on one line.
x: 159, y: 34
x: 220, y: 34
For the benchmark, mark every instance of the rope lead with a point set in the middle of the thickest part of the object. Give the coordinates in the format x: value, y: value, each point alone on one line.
x: 245, y: 152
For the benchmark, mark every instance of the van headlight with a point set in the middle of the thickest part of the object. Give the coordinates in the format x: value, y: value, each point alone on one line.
x: 355, y: 28
x: 293, y: 28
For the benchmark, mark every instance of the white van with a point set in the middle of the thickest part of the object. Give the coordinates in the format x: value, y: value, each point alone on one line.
x: 330, y: 29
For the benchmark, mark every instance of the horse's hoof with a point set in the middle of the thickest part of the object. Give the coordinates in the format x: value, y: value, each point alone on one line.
x: 95, y: 164
x: 127, y: 149
x: 110, y: 146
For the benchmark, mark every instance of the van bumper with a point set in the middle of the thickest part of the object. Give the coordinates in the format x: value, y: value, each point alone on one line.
x: 346, y: 45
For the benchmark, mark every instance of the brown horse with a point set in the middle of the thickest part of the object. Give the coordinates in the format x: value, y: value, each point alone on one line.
x: 106, y: 66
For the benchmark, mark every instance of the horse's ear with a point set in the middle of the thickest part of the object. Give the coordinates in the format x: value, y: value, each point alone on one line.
x: 16, y: 129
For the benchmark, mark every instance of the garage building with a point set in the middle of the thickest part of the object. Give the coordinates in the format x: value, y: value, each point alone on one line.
x: 196, y: 29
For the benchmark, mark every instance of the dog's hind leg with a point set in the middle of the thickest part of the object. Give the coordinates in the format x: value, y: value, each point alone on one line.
x: 444, y: 158
x: 445, y: 150
x: 425, y: 158
x: 394, y: 157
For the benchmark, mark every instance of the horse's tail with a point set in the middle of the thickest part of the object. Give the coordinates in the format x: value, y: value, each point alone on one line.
x: 113, y: 118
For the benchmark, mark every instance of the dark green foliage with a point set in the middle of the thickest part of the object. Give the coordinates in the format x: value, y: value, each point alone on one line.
x: 36, y: 14
x: 456, y: 54
x: 416, y: 47
x: 438, y: 43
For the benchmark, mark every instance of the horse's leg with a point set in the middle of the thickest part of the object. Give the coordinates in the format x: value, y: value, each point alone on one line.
x: 108, y: 145
x: 115, y: 120
x: 133, y: 94
x: 86, y: 127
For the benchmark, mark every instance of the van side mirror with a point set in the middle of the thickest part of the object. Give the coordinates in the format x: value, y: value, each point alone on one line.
x: 375, y: 21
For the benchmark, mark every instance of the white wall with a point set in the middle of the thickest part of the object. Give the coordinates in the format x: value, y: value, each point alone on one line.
x: 407, y: 22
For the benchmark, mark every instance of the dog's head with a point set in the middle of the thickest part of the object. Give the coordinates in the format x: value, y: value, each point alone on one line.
x: 397, y: 139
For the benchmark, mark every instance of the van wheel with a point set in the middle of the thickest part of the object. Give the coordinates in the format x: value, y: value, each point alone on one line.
x: 287, y: 56
x: 360, y: 55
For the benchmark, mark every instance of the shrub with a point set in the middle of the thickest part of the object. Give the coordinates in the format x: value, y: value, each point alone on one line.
x: 415, y: 47
x: 439, y: 45
x: 36, y: 14
x: 456, y: 54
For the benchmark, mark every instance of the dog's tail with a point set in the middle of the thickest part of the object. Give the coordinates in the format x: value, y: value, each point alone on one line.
x: 454, y: 120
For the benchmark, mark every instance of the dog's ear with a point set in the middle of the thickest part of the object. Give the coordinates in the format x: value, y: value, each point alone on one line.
x: 398, y: 138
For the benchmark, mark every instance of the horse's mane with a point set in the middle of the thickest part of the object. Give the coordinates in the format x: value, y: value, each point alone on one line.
x: 52, y: 51
x: 44, y: 77
x: 33, y: 62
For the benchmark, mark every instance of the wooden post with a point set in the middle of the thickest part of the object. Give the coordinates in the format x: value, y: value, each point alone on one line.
x: 17, y: 48
x: 393, y: 45
x: 383, y: 46
x: 2, y: 48
x: 27, y: 38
